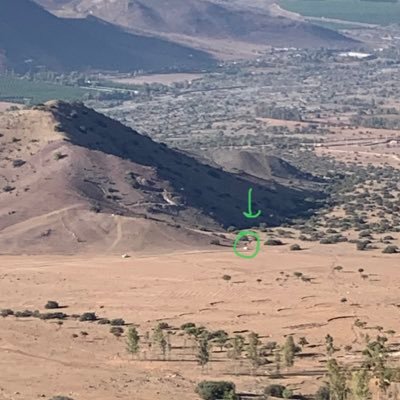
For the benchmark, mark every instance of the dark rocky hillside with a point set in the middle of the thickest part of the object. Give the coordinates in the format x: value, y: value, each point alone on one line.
x: 31, y: 36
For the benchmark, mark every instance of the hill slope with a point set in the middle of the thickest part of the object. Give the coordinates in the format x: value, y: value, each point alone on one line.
x: 29, y: 35
x: 204, y: 19
x: 74, y: 179
x: 258, y: 164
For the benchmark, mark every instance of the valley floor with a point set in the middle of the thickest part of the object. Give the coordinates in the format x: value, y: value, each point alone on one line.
x: 84, y: 360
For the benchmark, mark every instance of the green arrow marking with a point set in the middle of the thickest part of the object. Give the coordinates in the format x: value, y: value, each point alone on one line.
x: 249, y: 213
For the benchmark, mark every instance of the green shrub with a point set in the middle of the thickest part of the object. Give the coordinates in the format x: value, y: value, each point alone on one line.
x: 53, y: 315
x: 274, y: 390
x: 215, y: 390
x: 117, y: 322
x: 323, y: 393
x: 362, y: 245
x: 273, y: 242
x: 287, y: 394
x: 116, y: 331
x: 88, y: 316
x: 50, y: 305
x: 391, y: 249
x: 24, y: 314
x: 295, y: 247
x: 364, y: 234
x: 163, y: 325
x: 333, y: 239
x: 6, y: 312
x: 188, y: 325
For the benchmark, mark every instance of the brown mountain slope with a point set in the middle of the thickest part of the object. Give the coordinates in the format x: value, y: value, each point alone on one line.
x: 72, y: 179
x: 204, y: 19
x: 258, y: 164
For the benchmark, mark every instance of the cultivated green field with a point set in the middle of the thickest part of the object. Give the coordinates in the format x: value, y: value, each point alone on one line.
x: 24, y: 91
x: 373, y: 12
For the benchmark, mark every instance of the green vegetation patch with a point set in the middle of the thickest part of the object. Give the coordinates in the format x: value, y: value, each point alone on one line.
x: 381, y: 12
x: 32, y: 92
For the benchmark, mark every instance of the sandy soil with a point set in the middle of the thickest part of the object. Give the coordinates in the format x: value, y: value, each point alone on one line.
x: 41, y: 358
x: 4, y: 105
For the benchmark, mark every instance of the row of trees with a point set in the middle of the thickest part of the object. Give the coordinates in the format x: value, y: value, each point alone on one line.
x: 342, y: 382
x: 238, y: 348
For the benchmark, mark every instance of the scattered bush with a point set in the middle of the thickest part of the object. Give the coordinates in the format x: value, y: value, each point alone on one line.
x: 188, y: 326
x: 163, y: 325
x: 24, y: 314
x: 362, y: 245
x: 391, y: 249
x: 6, y: 312
x: 274, y: 390
x: 215, y: 390
x: 287, y: 394
x: 18, y: 163
x: 54, y: 315
x: 117, y: 322
x: 295, y: 247
x: 364, y: 234
x: 59, y: 156
x: 50, y: 305
x: 88, y: 316
x: 117, y: 331
x: 273, y: 242
x: 8, y: 188
x: 333, y: 239
x: 389, y: 238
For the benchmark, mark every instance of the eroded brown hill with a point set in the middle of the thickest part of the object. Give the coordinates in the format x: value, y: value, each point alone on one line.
x: 74, y: 179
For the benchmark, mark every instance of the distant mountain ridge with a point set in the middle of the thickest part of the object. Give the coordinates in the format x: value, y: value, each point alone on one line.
x: 31, y: 36
x: 205, y: 19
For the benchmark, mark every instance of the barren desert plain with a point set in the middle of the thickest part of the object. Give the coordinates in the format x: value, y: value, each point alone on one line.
x: 83, y: 360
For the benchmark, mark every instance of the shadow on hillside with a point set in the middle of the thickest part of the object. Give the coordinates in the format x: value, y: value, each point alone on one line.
x: 219, y: 194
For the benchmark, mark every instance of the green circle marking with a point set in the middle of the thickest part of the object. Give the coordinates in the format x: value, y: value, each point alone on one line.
x: 247, y: 233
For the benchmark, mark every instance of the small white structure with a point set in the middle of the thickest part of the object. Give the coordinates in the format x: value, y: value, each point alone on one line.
x: 356, y: 54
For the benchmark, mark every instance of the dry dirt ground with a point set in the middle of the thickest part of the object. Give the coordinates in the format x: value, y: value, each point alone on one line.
x: 42, y: 358
x: 4, y: 105
x: 350, y: 144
